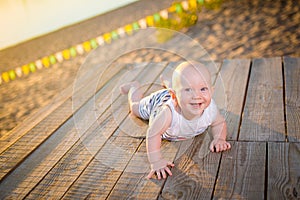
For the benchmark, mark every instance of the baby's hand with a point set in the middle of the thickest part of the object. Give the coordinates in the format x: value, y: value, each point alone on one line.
x: 161, y: 168
x: 218, y: 145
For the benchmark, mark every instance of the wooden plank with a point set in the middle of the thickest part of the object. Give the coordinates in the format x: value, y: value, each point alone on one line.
x: 71, y: 165
x: 36, y: 166
x: 242, y: 172
x: 60, y: 178
x: 194, y: 173
x: 110, y: 168
x: 133, y: 182
x: 100, y: 176
x: 24, y: 146
x: 263, y: 117
x: 16, y: 153
x: 104, y: 99
x: 34, y: 119
x: 230, y: 90
x: 292, y: 97
x: 283, y: 171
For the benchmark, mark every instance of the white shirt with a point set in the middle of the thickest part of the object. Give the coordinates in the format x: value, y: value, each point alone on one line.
x: 182, y: 128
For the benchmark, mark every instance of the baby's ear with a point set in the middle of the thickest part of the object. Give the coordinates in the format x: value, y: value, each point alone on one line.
x: 172, y: 93
x: 171, y: 90
x: 173, y: 96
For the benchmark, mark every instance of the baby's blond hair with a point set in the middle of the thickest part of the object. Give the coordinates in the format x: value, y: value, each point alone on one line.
x: 186, y: 69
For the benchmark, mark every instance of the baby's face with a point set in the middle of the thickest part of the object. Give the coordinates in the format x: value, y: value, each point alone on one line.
x: 193, y: 93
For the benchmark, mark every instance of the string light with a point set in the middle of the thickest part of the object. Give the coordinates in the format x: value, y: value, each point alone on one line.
x: 107, y: 38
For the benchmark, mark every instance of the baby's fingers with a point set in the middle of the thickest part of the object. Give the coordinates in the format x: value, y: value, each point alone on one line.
x: 151, y: 173
x: 164, y: 175
x: 158, y: 174
x: 223, y: 147
x: 168, y: 171
x: 170, y: 164
x: 218, y: 147
x: 212, y: 147
x: 228, y: 145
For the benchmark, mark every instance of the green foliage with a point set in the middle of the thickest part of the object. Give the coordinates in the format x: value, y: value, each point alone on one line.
x: 180, y: 18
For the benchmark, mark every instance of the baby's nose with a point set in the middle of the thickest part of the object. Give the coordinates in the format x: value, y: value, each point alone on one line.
x: 197, y: 94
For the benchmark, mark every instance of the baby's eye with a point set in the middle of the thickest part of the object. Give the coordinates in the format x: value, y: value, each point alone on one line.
x: 188, y: 89
x: 204, y: 89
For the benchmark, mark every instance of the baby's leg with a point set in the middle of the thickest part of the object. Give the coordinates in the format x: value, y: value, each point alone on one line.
x: 135, y: 94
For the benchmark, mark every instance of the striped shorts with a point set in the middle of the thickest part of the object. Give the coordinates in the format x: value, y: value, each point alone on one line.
x: 150, y: 103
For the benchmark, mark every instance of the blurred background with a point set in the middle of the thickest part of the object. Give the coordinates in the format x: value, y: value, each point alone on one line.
x: 35, y: 29
x: 26, y: 19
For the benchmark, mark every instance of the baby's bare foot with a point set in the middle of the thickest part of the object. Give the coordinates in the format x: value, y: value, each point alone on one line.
x: 124, y: 89
x: 164, y: 81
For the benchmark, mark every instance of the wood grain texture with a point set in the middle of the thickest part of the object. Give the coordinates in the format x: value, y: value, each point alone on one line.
x: 33, y: 120
x: 50, y: 152
x: 100, y: 176
x: 25, y: 145
x: 230, y: 90
x: 242, y: 172
x: 59, y: 178
x: 114, y: 156
x: 194, y: 173
x: 292, y: 97
x: 283, y: 171
x: 133, y: 183
x: 263, y: 116
x: 92, y: 149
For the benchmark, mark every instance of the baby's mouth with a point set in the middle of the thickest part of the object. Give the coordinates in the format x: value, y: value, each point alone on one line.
x: 197, y: 105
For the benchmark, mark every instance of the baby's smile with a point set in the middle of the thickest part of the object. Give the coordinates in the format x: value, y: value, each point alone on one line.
x: 196, y: 105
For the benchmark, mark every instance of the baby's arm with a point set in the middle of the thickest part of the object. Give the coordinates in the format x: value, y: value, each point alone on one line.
x: 157, y: 127
x: 219, y: 132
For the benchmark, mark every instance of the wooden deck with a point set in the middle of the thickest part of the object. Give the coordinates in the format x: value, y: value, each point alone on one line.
x: 86, y: 146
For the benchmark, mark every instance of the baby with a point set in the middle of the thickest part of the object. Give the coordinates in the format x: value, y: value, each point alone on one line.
x: 178, y: 113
